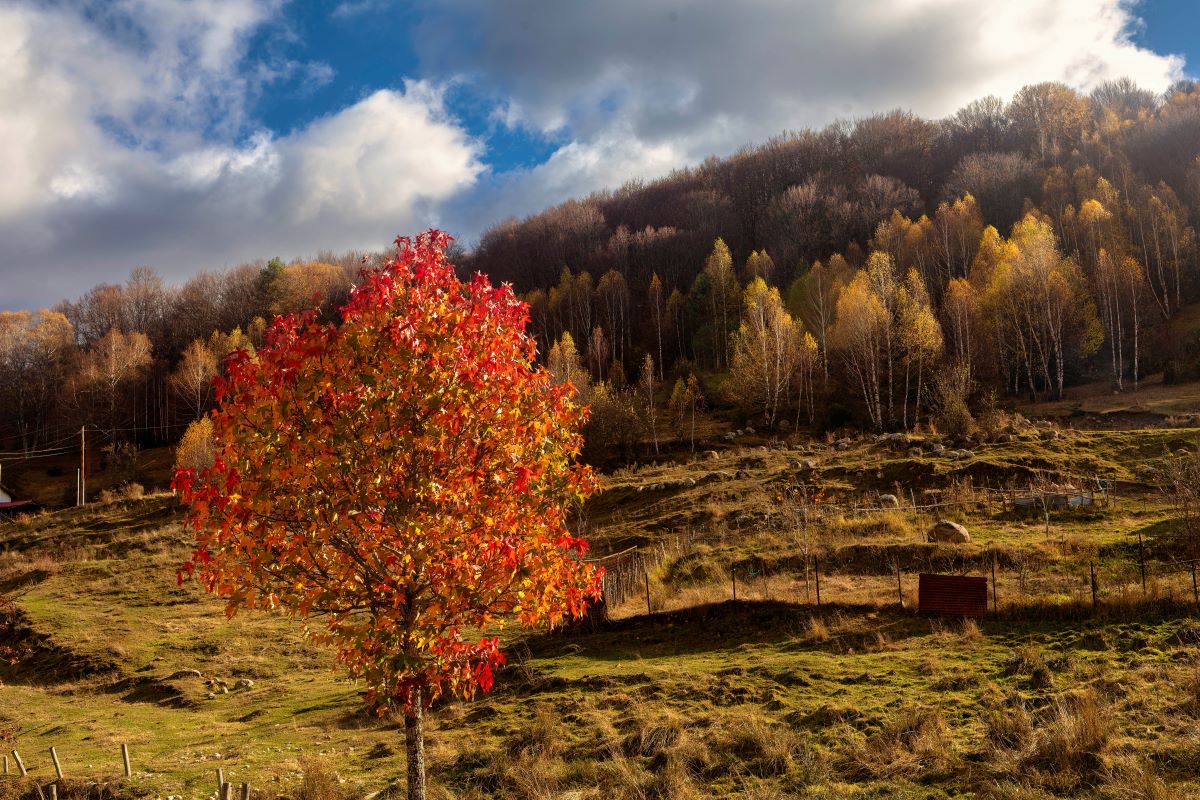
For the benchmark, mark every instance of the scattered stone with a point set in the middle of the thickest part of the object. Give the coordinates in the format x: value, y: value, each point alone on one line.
x: 741, y: 473
x: 712, y: 455
x: 243, y: 683
x: 185, y: 673
x: 730, y: 436
x: 211, y: 696
x: 935, y: 447
x: 889, y: 501
x: 749, y: 431
x: 844, y: 444
x: 948, y: 531
x: 806, y: 464
x: 1049, y: 435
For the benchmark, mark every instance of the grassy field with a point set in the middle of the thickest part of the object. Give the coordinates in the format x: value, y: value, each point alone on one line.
x: 766, y: 697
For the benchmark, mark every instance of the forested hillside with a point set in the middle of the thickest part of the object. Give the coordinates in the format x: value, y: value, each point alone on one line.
x: 1029, y: 244
x: 880, y: 272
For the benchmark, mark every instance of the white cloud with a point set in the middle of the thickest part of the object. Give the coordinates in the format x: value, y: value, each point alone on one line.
x: 353, y: 8
x: 127, y: 133
x: 124, y: 141
x: 690, y: 78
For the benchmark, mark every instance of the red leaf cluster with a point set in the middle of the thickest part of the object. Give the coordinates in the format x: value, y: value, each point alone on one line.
x: 405, y: 475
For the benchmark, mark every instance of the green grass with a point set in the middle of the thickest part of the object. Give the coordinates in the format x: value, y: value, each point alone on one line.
x: 767, y: 697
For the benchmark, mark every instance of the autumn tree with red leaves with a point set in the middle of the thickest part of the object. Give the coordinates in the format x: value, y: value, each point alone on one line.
x: 404, y: 475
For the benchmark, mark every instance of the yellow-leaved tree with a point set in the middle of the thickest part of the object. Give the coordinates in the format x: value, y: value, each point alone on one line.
x: 766, y: 352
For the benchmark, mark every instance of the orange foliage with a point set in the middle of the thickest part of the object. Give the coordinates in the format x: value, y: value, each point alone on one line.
x: 404, y: 474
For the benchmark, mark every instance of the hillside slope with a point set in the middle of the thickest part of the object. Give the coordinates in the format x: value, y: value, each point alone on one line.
x: 856, y: 699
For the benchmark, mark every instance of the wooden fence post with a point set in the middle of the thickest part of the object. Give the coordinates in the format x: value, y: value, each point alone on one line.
x: 220, y: 782
x: 1195, y: 588
x: 646, y: 575
x: 733, y: 575
x: 57, y: 766
x: 125, y: 758
x: 226, y: 792
x: 1095, y: 587
x: 6, y: 765
x: 245, y: 791
x: 995, y: 595
x: 899, y: 587
x: 1142, y: 561
x: 54, y: 791
x: 20, y: 764
x: 817, y: 573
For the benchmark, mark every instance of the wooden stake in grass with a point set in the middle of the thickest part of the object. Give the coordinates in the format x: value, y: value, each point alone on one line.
x: 125, y: 758
x: 57, y: 766
x: 733, y: 575
x: 245, y: 791
x: 1195, y: 588
x: 20, y: 763
x: 899, y: 587
x: 1142, y: 560
x: 646, y: 575
x: 220, y: 781
x: 226, y: 791
x: 54, y: 791
x: 817, y: 575
x: 995, y: 596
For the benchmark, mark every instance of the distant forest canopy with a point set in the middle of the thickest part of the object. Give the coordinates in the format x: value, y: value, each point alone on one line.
x: 881, y: 272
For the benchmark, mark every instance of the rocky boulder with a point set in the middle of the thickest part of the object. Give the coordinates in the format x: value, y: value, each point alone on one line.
x: 949, y: 532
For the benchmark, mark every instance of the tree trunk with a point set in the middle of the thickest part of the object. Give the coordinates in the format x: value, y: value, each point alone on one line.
x: 414, y: 746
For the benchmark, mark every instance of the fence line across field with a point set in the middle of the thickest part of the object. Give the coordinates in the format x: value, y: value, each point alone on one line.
x: 627, y: 574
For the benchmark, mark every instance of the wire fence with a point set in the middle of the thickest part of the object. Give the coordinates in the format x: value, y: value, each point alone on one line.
x: 642, y: 579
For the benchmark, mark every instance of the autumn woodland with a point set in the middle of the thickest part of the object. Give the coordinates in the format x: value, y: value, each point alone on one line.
x: 874, y: 273
x: 632, y: 497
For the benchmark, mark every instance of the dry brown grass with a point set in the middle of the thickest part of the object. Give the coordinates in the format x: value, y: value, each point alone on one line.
x: 915, y: 743
x: 1073, y: 741
x: 1007, y: 723
x: 893, y: 525
x: 754, y: 744
x: 1029, y: 661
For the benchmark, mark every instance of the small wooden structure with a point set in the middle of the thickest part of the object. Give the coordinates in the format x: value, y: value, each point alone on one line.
x: 952, y: 595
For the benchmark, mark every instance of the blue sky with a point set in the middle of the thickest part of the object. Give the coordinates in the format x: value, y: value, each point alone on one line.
x: 199, y: 134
